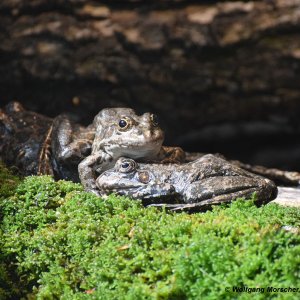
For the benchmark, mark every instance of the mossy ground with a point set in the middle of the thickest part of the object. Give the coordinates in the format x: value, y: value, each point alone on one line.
x: 58, y: 242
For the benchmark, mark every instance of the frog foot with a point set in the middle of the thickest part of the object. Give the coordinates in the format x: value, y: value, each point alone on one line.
x: 173, y: 155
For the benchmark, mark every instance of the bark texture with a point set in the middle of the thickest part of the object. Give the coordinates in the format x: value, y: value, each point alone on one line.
x: 193, y: 64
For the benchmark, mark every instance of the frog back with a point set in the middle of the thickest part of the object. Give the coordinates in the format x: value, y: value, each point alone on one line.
x: 24, y: 141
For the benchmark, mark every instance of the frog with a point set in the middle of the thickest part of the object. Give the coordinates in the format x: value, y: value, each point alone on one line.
x: 22, y: 136
x: 121, y: 132
x: 196, y: 185
x: 40, y: 145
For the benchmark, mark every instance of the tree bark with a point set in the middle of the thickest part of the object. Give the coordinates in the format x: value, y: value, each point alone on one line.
x: 193, y: 64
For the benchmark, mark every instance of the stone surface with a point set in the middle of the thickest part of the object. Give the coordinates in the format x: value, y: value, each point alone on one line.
x: 288, y: 197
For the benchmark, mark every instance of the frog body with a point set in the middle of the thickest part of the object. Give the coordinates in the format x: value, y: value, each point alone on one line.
x: 33, y: 142
x: 23, y: 134
x: 200, y: 183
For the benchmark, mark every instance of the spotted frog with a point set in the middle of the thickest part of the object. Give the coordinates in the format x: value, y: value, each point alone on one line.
x: 121, y: 132
x: 194, y: 185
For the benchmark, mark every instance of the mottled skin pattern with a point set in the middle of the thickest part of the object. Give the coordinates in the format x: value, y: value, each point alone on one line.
x: 203, y: 182
x: 139, y: 138
x: 70, y: 144
x: 22, y: 137
x: 36, y: 144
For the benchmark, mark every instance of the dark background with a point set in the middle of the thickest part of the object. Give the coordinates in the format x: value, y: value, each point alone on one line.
x: 223, y: 76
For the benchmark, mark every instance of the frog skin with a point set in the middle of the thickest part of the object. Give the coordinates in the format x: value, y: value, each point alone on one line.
x: 36, y: 144
x: 22, y: 134
x: 120, y: 132
x: 280, y: 177
x: 194, y: 185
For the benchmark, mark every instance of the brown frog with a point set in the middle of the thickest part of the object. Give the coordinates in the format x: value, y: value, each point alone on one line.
x: 120, y: 132
x: 36, y: 144
x: 196, y: 185
x: 40, y: 145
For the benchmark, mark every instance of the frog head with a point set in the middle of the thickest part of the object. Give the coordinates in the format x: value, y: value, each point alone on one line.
x: 121, y: 132
x: 128, y: 179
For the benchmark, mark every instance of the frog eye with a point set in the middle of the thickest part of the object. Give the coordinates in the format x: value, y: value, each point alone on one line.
x: 154, y: 119
x: 124, y: 123
x: 127, y: 166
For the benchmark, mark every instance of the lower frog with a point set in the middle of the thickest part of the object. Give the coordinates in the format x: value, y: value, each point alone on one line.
x: 36, y: 144
x: 194, y: 185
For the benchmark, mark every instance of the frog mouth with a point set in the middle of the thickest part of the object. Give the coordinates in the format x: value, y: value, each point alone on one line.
x: 148, y: 193
x: 144, y: 142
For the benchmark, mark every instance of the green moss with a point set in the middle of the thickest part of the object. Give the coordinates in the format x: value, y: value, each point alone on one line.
x: 60, y: 242
x: 8, y: 184
x: 8, y: 181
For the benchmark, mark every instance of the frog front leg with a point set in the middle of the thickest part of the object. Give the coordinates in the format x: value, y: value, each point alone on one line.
x: 171, y: 155
x: 99, y: 161
x: 69, y: 144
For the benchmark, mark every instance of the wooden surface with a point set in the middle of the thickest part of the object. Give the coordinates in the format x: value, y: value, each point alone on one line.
x: 214, y: 62
x: 194, y: 63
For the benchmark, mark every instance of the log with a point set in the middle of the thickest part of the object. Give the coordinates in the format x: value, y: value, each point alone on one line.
x: 193, y: 64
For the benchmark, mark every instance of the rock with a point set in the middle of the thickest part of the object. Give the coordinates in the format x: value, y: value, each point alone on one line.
x: 288, y: 197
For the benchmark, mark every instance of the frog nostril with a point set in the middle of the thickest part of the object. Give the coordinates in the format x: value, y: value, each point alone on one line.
x: 154, y: 119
